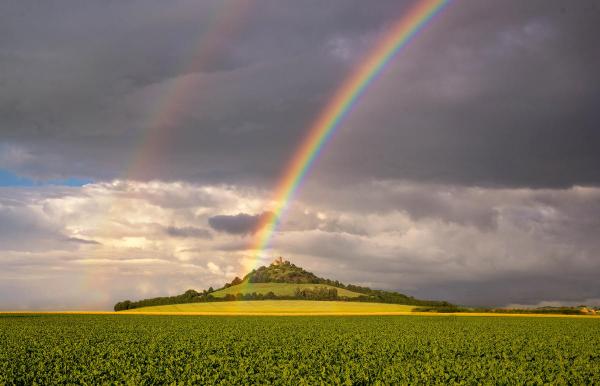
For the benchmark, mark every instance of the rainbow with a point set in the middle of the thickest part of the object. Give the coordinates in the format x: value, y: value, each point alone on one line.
x: 330, y: 118
x: 224, y: 24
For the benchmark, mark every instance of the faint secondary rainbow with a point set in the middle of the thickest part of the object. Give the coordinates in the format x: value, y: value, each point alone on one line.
x: 337, y: 109
x: 221, y: 28
x: 167, y: 115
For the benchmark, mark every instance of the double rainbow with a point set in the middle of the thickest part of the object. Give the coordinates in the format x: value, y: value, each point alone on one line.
x: 330, y: 118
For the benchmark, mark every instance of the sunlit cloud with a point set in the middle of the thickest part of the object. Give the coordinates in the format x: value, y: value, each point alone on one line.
x: 412, y: 237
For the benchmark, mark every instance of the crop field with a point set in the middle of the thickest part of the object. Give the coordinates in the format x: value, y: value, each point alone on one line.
x: 280, y: 289
x: 141, y: 349
x: 279, y: 307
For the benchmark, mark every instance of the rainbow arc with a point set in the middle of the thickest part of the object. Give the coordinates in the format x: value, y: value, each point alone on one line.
x: 331, y: 117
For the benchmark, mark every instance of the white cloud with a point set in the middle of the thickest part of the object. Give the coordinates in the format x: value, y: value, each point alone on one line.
x: 417, y: 238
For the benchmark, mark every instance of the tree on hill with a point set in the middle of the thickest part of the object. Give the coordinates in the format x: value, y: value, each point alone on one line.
x: 316, y: 293
x: 282, y: 271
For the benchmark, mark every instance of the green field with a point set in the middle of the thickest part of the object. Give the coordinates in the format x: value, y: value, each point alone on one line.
x: 142, y: 349
x: 279, y: 289
x: 279, y: 307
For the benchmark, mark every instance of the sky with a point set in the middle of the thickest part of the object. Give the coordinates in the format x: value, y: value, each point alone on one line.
x: 140, y: 143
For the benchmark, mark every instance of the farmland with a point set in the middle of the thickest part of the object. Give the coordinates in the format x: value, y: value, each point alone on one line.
x: 136, y: 349
x: 279, y: 307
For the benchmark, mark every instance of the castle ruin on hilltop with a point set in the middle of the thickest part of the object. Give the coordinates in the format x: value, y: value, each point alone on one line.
x: 280, y: 261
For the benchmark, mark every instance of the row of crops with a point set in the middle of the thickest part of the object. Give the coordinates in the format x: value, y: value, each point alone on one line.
x: 138, y: 349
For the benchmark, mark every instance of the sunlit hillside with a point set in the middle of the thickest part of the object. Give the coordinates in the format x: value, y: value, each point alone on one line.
x: 279, y: 289
x: 267, y: 307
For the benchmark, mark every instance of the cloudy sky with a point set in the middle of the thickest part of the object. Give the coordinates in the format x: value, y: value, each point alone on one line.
x: 140, y: 142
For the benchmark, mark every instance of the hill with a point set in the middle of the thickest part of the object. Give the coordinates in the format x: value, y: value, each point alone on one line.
x: 282, y: 280
x: 279, y: 289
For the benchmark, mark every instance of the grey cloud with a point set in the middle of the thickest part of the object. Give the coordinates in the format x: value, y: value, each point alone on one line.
x: 231, y: 245
x: 451, y: 203
x: 535, y: 245
x: 77, y: 240
x: 188, y: 232
x: 239, y: 224
x: 19, y: 224
x: 41, y: 282
x: 571, y: 288
x: 298, y: 218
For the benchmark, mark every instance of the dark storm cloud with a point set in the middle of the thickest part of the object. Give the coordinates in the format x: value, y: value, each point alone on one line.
x: 81, y: 88
x: 568, y: 288
x: 489, y: 93
x: 239, y: 224
x: 504, y: 99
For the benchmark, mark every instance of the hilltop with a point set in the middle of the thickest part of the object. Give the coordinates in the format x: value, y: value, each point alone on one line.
x: 282, y: 280
x: 282, y: 271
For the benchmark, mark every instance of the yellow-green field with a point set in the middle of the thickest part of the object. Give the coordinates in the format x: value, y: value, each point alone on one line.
x: 163, y: 349
x: 278, y: 307
x: 279, y: 289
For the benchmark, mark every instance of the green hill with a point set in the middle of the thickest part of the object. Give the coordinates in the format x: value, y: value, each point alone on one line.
x: 279, y: 289
x: 282, y: 280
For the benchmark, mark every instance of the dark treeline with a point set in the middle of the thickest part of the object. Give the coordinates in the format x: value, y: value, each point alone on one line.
x: 453, y: 309
x: 192, y: 296
x: 317, y: 293
x: 377, y: 296
x: 189, y: 296
x: 561, y: 310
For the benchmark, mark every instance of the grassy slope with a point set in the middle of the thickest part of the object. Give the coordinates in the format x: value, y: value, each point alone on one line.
x: 278, y: 307
x: 280, y: 289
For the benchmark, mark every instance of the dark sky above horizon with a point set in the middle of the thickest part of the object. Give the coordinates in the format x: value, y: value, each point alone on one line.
x: 140, y: 142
